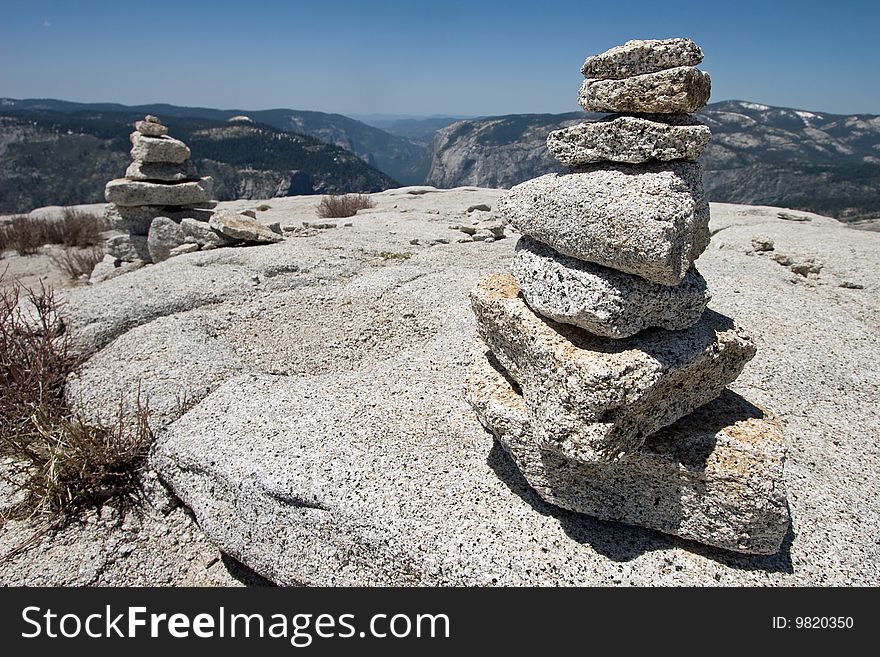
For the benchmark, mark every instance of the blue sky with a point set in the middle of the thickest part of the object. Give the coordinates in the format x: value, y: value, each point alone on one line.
x: 449, y: 57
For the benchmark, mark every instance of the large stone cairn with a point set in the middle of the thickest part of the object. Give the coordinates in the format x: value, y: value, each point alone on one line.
x: 597, y: 365
x: 162, y: 208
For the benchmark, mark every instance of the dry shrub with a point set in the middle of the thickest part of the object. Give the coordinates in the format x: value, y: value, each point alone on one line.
x: 80, y: 229
x: 25, y: 235
x: 61, y: 462
x: 345, y: 205
x: 76, y: 228
x: 77, y: 262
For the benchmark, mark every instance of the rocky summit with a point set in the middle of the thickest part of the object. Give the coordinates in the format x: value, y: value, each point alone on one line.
x: 601, y: 337
x: 326, y: 413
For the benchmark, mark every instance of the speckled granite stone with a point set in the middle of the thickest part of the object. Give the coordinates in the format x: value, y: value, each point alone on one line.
x: 715, y: 476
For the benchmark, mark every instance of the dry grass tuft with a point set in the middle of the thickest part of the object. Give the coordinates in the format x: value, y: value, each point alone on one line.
x: 345, y: 205
x: 61, y: 462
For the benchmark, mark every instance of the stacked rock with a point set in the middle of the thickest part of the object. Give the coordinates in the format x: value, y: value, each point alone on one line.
x: 594, y: 354
x: 162, y: 208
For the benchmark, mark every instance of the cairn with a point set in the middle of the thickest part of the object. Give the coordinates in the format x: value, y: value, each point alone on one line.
x: 597, y: 365
x: 162, y: 208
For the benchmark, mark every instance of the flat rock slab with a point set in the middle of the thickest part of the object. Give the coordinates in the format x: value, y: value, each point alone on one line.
x: 136, y: 220
x: 650, y: 220
x: 242, y: 227
x: 123, y: 192
x: 681, y: 90
x: 164, y: 149
x: 204, y: 235
x: 715, y: 476
x: 642, y: 56
x: 161, y: 172
x: 593, y: 398
x: 600, y: 300
x: 172, y: 362
x: 631, y: 139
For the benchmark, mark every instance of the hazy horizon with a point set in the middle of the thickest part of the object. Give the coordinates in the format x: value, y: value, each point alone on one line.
x: 412, y: 59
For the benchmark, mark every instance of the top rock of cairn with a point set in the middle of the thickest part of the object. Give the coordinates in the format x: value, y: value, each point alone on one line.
x: 651, y: 76
x: 151, y: 126
x: 642, y: 56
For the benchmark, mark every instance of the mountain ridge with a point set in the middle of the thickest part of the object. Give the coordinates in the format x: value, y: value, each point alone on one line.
x: 398, y: 157
x: 64, y: 158
x: 759, y: 155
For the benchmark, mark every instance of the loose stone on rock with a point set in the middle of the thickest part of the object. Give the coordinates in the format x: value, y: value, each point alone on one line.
x: 151, y: 128
x: 128, y: 247
x: 242, y: 228
x: 123, y: 192
x: 165, y: 235
x: 203, y: 234
x: 165, y: 150
x: 161, y: 171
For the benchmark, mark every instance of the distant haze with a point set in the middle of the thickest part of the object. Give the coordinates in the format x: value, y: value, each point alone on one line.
x: 423, y: 58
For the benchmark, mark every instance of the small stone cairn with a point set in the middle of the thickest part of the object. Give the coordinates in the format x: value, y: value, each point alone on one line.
x: 598, y: 366
x: 162, y: 208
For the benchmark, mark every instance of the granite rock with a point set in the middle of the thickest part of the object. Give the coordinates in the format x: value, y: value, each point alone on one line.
x: 650, y: 220
x: 124, y: 192
x: 715, y: 476
x: 183, y: 249
x: 204, y: 235
x: 136, y: 220
x: 638, y: 57
x: 762, y: 243
x: 162, y: 172
x: 241, y: 227
x: 632, y: 139
x: 593, y: 398
x: 604, y: 301
x: 111, y: 267
x: 129, y: 248
x: 165, y: 235
x: 681, y: 90
x: 103, y: 270
x: 151, y: 128
x: 165, y: 149
x: 132, y: 220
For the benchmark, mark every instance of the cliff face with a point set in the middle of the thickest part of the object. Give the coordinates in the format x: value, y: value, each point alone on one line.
x: 758, y: 155
x: 495, y: 152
